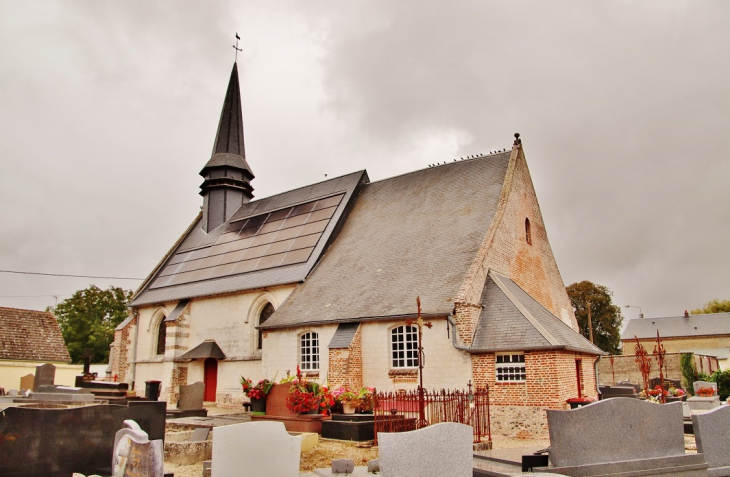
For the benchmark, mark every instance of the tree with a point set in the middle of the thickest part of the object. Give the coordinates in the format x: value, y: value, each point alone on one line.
x: 713, y: 306
x: 605, y: 316
x: 88, y: 319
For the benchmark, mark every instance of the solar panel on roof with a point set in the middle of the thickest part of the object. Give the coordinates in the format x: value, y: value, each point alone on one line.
x: 273, y: 239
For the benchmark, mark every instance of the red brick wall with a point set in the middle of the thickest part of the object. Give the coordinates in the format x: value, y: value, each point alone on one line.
x: 531, y: 266
x: 122, y: 345
x: 551, y: 379
x: 345, y: 365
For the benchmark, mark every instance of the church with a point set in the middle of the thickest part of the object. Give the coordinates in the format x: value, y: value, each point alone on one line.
x: 325, y: 277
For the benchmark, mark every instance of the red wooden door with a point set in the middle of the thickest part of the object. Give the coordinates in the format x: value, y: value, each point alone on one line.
x: 211, y: 378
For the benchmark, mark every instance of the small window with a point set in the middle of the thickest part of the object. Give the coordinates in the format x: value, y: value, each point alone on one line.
x: 265, y: 314
x: 161, y: 336
x: 309, y: 351
x: 528, y: 233
x: 510, y: 368
x: 404, y: 347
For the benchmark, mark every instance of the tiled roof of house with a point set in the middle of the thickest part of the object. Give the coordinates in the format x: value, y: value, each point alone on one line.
x: 411, y: 235
x: 678, y: 326
x: 31, y: 335
x: 197, y: 239
x: 512, y: 320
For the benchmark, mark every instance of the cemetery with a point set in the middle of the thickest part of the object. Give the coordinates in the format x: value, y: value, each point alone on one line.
x: 301, y: 428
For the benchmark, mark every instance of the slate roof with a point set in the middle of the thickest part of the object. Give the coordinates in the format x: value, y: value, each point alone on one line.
x: 678, y: 326
x: 206, y: 349
x: 512, y: 320
x: 195, y: 238
x: 411, y: 235
x: 31, y: 335
x: 343, y: 336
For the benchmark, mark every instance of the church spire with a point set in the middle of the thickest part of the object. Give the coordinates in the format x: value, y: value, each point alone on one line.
x: 227, y: 175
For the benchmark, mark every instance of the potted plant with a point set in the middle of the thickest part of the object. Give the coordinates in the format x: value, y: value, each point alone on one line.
x: 256, y: 393
x: 347, y: 398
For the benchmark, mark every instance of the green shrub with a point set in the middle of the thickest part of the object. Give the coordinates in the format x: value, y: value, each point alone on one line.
x: 689, y: 371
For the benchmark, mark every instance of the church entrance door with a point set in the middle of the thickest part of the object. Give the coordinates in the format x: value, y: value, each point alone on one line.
x: 211, y: 378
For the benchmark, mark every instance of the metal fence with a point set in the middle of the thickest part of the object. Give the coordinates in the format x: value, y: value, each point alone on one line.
x: 408, y: 410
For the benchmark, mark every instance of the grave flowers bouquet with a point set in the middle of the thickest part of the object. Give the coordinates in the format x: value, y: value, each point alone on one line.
x: 363, y: 399
x: 655, y: 395
x: 261, y: 389
x: 705, y: 392
x: 246, y: 384
x: 676, y: 392
x: 303, y: 395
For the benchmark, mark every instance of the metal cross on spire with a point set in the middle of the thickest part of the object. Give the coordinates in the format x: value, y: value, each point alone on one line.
x: 236, y: 47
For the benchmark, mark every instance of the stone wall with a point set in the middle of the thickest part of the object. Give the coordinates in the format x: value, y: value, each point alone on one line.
x: 624, y: 367
x: 523, y: 422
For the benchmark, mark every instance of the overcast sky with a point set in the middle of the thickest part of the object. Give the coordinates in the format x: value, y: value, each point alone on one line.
x: 109, y: 109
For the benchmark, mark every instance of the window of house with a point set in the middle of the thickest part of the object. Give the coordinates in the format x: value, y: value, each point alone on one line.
x: 510, y: 367
x: 309, y: 351
x: 404, y: 347
x: 528, y: 233
x: 161, y: 336
x: 266, y: 312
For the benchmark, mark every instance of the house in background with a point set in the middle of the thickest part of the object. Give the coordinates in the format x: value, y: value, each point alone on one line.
x: 706, y: 335
x: 29, y: 338
x: 325, y: 277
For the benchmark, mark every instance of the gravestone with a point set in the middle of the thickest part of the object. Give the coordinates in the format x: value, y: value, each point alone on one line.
x: 634, y: 438
x: 343, y: 466
x: 200, y: 434
x: 712, y: 434
x: 13, y: 392
x: 26, y: 382
x: 434, y: 451
x: 191, y: 396
x: 697, y: 385
x: 264, y: 446
x: 57, y: 442
x: 135, y: 455
x: 701, y: 403
x: 44, y: 374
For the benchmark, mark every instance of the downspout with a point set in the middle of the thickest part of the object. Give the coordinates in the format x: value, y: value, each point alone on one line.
x: 451, y: 321
x: 595, y: 367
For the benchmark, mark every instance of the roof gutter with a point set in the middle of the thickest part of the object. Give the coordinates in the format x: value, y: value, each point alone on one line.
x: 451, y: 321
x: 595, y: 366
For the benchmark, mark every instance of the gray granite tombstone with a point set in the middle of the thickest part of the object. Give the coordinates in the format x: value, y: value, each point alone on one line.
x: 26, y: 382
x: 343, y: 466
x: 434, y: 451
x: 712, y: 434
x: 13, y: 392
x: 191, y: 396
x: 621, y: 436
x: 44, y: 374
x: 200, y: 434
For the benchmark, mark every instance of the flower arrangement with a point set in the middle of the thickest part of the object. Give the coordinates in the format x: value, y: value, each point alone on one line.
x: 705, y: 392
x: 655, y: 395
x: 258, y: 391
x: 306, y: 396
x: 363, y: 399
x: 676, y: 392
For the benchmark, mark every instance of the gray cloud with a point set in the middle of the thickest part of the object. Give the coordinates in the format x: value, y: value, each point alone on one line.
x: 108, y: 111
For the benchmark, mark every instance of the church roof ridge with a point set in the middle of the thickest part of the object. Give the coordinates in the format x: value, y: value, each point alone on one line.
x: 454, y: 162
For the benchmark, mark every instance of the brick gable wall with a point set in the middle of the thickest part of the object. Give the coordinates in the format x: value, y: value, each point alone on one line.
x: 345, y: 364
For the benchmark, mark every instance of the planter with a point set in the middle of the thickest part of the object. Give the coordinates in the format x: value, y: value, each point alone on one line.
x: 258, y: 405
x: 348, y: 408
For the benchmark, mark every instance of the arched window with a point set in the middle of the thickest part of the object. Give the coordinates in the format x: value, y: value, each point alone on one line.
x: 309, y: 351
x: 266, y: 312
x: 528, y: 234
x: 404, y: 347
x: 161, y: 336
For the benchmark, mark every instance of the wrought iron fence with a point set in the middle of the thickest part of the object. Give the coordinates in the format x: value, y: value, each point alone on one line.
x: 408, y: 410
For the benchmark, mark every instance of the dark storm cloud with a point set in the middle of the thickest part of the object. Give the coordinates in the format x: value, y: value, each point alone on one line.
x: 109, y: 111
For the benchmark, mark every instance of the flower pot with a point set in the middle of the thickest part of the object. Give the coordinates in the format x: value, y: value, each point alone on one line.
x: 348, y: 408
x: 258, y: 405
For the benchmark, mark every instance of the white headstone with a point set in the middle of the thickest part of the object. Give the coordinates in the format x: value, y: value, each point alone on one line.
x: 264, y: 446
x: 134, y: 454
x: 434, y: 451
x: 697, y: 385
